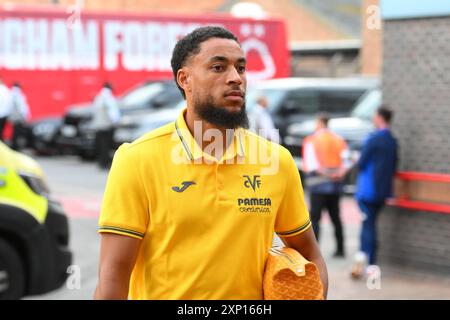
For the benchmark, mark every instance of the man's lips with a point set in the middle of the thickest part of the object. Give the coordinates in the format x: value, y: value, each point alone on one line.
x: 234, y: 93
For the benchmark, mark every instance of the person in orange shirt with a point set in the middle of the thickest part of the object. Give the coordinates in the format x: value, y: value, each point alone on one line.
x: 323, y: 162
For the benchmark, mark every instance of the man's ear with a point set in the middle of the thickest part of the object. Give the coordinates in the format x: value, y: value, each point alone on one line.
x: 183, y: 79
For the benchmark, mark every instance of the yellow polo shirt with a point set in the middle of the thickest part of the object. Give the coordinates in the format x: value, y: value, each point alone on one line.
x: 206, y: 225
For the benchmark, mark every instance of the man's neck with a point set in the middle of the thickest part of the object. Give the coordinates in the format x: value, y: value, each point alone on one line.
x: 383, y: 127
x: 322, y: 129
x: 196, y: 124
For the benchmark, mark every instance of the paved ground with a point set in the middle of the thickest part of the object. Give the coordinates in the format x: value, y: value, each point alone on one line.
x: 79, y: 186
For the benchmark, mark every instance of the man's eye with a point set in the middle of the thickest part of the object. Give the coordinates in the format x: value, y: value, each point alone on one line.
x: 217, y: 68
x: 242, y: 69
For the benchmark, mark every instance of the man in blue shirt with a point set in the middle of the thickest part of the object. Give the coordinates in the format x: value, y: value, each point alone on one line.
x: 377, y: 166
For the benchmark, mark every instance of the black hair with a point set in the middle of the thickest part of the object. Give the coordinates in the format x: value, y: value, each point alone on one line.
x: 385, y: 113
x: 17, y: 85
x: 324, y: 118
x: 190, y: 45
x: 108, y: 85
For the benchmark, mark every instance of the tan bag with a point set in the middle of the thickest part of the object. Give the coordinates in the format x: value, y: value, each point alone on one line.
x: 289, y: 276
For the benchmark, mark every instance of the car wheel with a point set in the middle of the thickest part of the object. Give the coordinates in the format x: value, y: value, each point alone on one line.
x: 12, y: 272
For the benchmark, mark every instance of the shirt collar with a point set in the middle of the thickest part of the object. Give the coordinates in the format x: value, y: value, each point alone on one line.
x: 193, y: 150
x: 322, y: 130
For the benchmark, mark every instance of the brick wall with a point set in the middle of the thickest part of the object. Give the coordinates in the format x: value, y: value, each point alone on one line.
x: 415, y: 240
x: 416, y: 85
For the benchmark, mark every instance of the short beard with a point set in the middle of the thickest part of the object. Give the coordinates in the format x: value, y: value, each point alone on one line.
x: 221, y: 117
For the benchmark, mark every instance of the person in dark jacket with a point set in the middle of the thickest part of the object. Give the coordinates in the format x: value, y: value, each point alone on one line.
x: 377, y: 166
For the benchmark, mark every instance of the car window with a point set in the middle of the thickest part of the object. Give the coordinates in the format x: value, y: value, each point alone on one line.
x: 168, y: 97
x: 141, y: 95
x: 367, y: 105
x: 301, y: 102
x: 338, y: 101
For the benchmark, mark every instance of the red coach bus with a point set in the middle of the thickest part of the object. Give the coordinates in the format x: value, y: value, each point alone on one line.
x: 63, y: 58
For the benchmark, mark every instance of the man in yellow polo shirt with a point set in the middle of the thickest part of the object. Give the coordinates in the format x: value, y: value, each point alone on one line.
x: 190, y: 209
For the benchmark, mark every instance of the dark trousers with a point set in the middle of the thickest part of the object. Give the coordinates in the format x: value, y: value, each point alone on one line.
x: 104, y: 144
x: 331, y: 203
x: 19, y: 131
x: 2, y: 127
x: 368, y: 237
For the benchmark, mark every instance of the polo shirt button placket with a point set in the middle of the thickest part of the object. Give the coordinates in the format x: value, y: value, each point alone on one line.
x: 219, y: 183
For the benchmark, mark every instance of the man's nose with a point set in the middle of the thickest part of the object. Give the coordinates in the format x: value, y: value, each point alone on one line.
x: 234, y: 76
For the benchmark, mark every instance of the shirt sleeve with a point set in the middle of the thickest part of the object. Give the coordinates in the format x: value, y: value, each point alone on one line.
x: 271, y: 132
x: 292, y: 216
x: 366, y: 153
x: 112, y: 107
x: 25, y: 108
x: 113, y: 111
x: 345, y: 155
x: 125, y: 207
x: 310, y: 161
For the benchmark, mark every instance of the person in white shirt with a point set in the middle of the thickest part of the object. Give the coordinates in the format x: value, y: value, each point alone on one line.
x: 4, y: 106
x: 18, y: 114
x: 105, y: 119
x: 262, y: 123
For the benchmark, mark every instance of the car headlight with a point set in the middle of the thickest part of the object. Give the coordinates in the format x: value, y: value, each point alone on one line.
x: 44, y: 129
x: 36, y: 184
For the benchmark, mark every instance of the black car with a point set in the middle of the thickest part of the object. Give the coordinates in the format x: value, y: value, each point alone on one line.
x: 43, y: 134
x: 295, y: 100
x: 76, y: 135
x: 72, y: 136
x: 134, y: 125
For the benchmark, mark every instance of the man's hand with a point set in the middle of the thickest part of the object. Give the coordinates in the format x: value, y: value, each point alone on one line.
x: 334, y: 175
x: 117, y: 258
x: 340, y: 174
x: 306, y: 244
